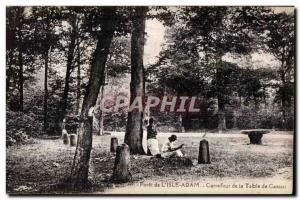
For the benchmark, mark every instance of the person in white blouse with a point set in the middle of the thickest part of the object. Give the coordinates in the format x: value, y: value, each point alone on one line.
x: 152, y: 142
x: 169, y: 149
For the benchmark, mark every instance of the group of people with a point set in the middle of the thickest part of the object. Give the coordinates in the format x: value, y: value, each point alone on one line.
x: 169, y: 149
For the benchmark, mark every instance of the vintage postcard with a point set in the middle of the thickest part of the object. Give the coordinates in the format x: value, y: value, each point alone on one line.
x: 150, y: 100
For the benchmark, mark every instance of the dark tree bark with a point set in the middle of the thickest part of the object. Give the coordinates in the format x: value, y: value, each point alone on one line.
x: 20, y: 73
x: 9, y: 58
x: 283, y: 94
x: 221, y: 112
x: 286, y: 97
x: 101, y: 117
x: 234, y: 120
x: 46, y: 56
x: 78, y: 87
x: 220, y: 97
x: 11, y: 41
x: 101, y: 126
x: 46, y: 59
x: 70, y: 59
x: 221, y: 117
x: 134, y: 131
x: 80, y: 167
x: 98, y: 117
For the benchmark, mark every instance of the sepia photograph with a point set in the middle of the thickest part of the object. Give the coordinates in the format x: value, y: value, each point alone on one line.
x: 150, y: 100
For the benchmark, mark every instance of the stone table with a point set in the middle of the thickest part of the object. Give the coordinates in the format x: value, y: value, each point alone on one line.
x: 255, y: 135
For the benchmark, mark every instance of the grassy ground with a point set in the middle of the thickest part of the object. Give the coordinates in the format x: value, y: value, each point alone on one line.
x: 35, y: 168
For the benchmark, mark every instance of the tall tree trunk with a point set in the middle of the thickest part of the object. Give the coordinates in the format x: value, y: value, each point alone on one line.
x: 234, y: 119
x: 134, y: 131
x: 284, y: 106
x: 287, y: 96
x: 80, y: 167
x: 98, y: 119
x: 283, y: 94
x: 101, y: 126
x: 78, y: 87
x: 221, y: 114
x: 220, y: 97
x: 46, y: 59
x: 9, y: 58
x: 21, y: 80
x: 70, y: 59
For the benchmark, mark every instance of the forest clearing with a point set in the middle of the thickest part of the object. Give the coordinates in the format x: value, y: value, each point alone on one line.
x: 34, y: 168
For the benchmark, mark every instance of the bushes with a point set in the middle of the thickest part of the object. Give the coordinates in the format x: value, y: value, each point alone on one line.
x: 115, y: 121
x: 20, y: 127
x: 16, y: 137
x: 263, y: 118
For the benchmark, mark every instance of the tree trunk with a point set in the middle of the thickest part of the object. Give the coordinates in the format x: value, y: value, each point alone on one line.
x: 101, y: 127
x: 180, y: 125
x: 78, y: 87
x: 234, y: 120
x: 101, y: 114
x: 21, y: 81
x: 98, y: 118
x: 283, y: 92
x: 80, y: 167
x: 220, y: 97
x: 70, y: 59
x: 9, y: 59
x: 46, y: 59
x: 284, y: 107
x: 134, y: 131
x: 221, y: 120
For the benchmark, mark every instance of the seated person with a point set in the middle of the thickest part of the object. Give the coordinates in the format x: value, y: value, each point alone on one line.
x: 168, y: 150
x: 152, y: 142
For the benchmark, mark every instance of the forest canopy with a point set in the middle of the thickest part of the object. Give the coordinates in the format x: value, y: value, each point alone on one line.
x: 238, y: 60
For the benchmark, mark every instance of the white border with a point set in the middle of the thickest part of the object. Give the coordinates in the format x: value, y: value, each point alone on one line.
x: 107, y: 2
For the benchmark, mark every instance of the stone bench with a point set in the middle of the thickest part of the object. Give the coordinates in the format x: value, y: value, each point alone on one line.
x: 255, y: 135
